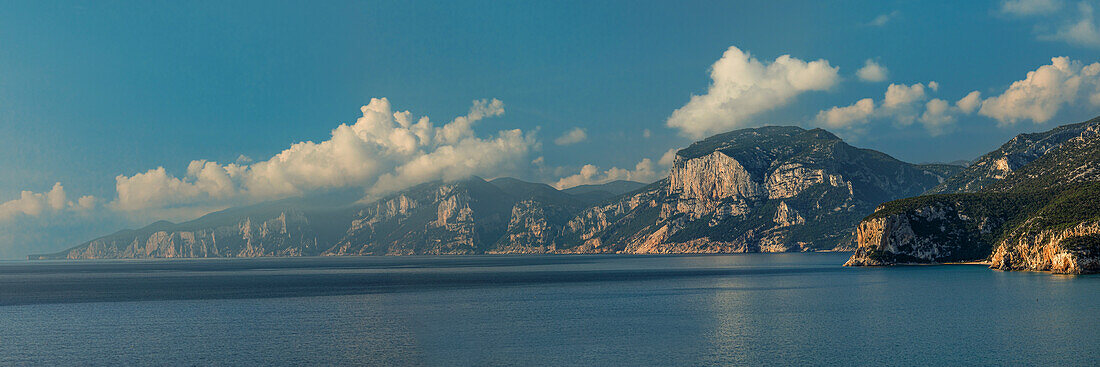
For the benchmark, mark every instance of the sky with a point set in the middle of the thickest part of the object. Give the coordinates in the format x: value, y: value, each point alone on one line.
x: 116, y: 114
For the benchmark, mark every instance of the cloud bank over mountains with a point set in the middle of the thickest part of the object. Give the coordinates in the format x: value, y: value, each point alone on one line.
x: 1045, y: 91
x: 645, y: 171
x: 382, y: 151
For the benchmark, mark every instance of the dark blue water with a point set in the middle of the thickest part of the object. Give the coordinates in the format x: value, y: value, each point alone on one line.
x: 781, y: 309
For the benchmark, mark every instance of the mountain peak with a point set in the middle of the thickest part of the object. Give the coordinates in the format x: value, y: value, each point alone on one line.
x: 765, y: 137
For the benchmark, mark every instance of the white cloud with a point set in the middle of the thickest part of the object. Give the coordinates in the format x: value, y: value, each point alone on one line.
x: 840, y: 117
x: 1030, y: 7
x: 901, y: 95
x: 872, y: 72
x: 1081, y: 32
x: 484, y: 157
x: 937, y: 115
x: 87, y: 202
x: 383, y: 150
x: 1044, y: 92
x: 1038, y: 98
x: 743, y: 87
x: 646, y: 133
x: 645, y: 171
x: 901, y: 103
x: 970, y: 103
x: 668, y: 158
x: 573, y: 136
x: 35, y: 204
x: 882, y: 19
x: 588, y: 175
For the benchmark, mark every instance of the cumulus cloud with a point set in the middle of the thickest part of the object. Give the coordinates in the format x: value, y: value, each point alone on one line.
x: 872, y: 72
x: 882, y: 19
x: 668, y: 158
x: 383, y: 150
x: 1044, y: 92
x: 970, y: 103
x: 1038, y: 98
x: 839, y: 117
x: 645, y: 171
x: 1030, y: 7
x: 902, y: 103
x: 1081, y: 32
x: 742, y: 87
x: 937, y: 114
x: 34, y: 204
x: 573, y: 136
x: 901, y: 95
x: 589, y: 174
x: 485, y: 157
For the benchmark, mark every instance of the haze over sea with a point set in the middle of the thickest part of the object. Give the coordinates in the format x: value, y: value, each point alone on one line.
x: 751, y: 309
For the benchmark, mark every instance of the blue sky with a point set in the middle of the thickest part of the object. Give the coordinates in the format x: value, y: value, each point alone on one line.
x: 90, y: 91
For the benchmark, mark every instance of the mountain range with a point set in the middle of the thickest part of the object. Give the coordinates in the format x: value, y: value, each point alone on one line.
x: 768, y: 189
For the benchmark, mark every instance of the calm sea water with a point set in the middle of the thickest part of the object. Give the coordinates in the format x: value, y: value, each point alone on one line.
x: 756, y: 309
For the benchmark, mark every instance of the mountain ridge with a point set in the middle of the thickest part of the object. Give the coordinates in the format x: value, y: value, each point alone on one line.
x: 779, y: 188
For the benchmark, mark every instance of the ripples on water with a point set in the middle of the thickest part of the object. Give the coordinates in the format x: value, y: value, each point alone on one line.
x: 521, y: 310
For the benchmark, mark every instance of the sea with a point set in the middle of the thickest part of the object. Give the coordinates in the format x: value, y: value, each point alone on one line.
x: 585, y: 310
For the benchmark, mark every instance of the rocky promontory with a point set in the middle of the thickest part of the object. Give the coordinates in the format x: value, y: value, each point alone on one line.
x: 1038, y: 211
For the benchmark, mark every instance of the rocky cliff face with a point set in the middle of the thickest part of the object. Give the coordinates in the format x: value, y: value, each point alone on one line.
x: 770, y: 189
x: 936, y: 231
x: 1074, y: 250
x: 1036, y: 211
x: 287, y: 234
x: 466, y: 217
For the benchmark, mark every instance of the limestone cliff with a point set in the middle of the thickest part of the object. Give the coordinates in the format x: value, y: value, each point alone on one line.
x: 770, y: 189
x: 1073, y: 250
x: 288, y: 233
x: 1036, y: 216
x: 463, y: 217
x: 947, y: 230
